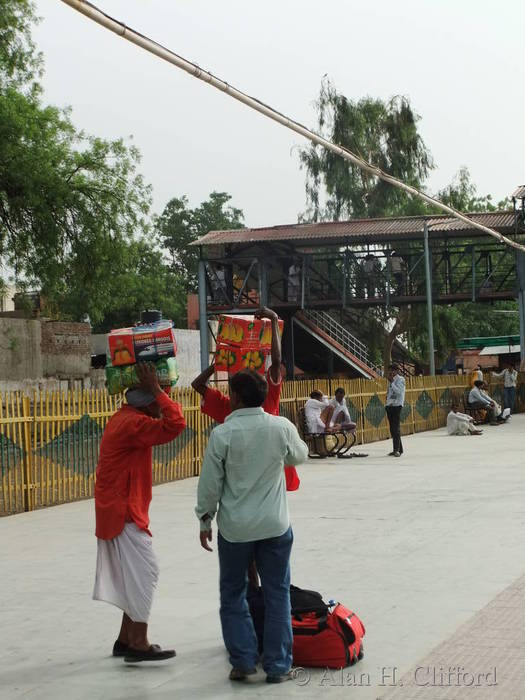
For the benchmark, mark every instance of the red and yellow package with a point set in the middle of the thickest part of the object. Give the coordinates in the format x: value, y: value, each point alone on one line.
x: 265, y: 334
x: 239, y: 331
x: 254, y: 359
x: 233, y: 359
x: 226, y: 358
x: 121, y: 349
x: 243, y: 343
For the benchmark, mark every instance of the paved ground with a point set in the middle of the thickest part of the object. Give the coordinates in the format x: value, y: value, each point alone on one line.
x: 417, y: 546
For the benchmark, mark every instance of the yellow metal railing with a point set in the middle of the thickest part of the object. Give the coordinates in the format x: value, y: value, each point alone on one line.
x: 49, y: 443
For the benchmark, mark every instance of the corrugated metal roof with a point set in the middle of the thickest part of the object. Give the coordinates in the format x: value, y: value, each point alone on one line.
x: 500, y: 350
x: 520, y: 192
x: 364, y: 229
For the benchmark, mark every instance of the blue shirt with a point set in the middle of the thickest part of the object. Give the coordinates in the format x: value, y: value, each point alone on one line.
x: 243, y: 474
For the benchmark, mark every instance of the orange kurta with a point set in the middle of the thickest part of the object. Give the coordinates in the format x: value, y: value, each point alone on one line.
x: 123, y: 488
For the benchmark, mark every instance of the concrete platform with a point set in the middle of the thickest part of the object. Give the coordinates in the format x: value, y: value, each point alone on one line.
x: 417, y: 546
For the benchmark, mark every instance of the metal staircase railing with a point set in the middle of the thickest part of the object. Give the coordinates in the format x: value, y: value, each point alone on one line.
x: 341, y: 335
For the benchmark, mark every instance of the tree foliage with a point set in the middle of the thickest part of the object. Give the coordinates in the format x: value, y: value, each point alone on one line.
x: 20, y: 63
x: 462, y: 194
x: 178, y: 226
x: 74, y: 210
x: 383, y: 133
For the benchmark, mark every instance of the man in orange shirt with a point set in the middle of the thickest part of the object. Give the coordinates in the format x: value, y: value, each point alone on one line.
x: 216, y: 405
x: 127, y: 569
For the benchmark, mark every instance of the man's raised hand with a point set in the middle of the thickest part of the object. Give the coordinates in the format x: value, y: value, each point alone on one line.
x: 148, y: 380
x: 265, y: 312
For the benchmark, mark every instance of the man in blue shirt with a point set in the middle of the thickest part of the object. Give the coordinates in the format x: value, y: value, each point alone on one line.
x: 395, y: 399
x: 243, y: 479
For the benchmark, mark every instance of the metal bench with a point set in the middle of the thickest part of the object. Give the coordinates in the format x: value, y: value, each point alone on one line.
x: 322, y: 445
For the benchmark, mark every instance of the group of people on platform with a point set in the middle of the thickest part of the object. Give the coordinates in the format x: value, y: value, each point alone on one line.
x: 254, y: 532
x: 483, y: 407
x: 328, y: 416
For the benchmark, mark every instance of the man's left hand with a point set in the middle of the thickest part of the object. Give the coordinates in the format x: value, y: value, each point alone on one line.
x: 205, y: 537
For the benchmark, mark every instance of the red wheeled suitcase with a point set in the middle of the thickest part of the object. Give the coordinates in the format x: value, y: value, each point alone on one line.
x: 333, y: 640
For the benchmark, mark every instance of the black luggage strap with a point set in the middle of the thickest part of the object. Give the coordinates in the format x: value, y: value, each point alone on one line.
x: 319, y: 624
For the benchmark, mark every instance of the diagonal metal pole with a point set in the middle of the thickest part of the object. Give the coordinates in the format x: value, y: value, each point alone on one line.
x: 428, y: 280
x: 119, y: 28
x: 203, y: 317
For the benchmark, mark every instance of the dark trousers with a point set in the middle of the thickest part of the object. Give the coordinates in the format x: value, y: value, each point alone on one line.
x: 393, y: 413
x: 509, y: 397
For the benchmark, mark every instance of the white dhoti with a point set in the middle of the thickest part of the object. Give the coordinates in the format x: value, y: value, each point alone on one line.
x: 127, y: 572
x: 459, y: 424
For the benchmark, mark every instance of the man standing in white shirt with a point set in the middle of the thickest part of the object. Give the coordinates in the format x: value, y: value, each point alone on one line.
x: 395, y: 399
x: 510, y: 379
x: 341, y: 413
x: 459, y: 423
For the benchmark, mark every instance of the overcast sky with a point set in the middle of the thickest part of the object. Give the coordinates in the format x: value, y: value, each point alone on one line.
x: 459, y: 61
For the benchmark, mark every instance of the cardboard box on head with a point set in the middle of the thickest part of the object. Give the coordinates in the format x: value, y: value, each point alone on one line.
x: 244, y: 343
x: 150, y: 342
x: 246, y: 332
x: 144, y: 343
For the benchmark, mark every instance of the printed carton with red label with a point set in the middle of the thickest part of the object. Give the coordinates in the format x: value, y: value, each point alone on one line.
x: 243, y: 343
x: 153, y: 342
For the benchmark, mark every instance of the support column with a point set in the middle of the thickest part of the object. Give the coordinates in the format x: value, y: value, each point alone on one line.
x: 428, y: 280
x: 521, y: 306
x: 330, y: 364
x: 345, y: 277
x: 263, y: 282
x: 388, y: 275
x: 289, y: 348
x: 520, y: 269
x: 304, y: 262
x: 473, y: 274
x: 203, y: 317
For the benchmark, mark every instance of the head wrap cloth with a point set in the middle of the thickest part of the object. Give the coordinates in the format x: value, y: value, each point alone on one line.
x: 138, y: 398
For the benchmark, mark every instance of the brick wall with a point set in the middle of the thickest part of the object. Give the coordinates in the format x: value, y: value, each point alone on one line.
x: 66, y: 350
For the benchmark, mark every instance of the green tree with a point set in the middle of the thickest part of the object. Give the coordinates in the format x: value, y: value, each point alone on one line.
x: 462, y: 194
x: 74, y: 211
x: 466, y: 319
x: 178, y: 226
x: 386, y: 134
x: 141, y: 281
x: 383, y: 132
x: 20, y: 63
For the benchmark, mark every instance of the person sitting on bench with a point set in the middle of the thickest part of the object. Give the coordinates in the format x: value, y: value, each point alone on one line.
x: 341, y: 413
x: 478, y: 399
x: 318, y: 414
